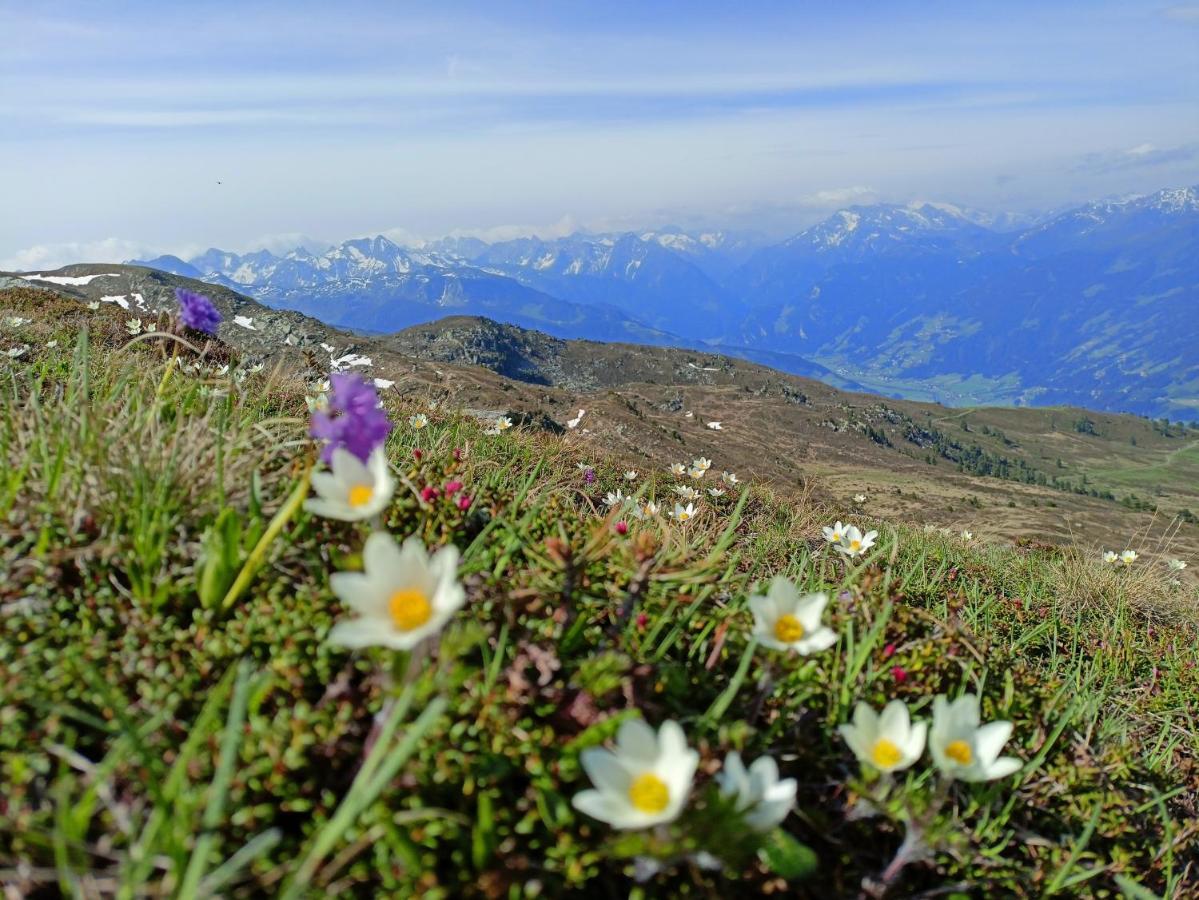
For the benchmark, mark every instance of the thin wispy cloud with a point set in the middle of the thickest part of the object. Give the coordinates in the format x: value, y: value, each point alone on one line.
x: 337, y: 120
x: 1141, y: 156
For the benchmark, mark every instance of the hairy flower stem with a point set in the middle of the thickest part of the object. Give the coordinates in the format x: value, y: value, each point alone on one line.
x: 914, y: 846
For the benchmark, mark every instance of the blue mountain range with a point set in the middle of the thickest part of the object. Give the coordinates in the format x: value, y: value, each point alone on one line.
x: 1097, y: 306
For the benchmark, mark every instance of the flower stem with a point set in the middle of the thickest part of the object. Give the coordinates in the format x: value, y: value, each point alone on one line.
x: 258, y: 554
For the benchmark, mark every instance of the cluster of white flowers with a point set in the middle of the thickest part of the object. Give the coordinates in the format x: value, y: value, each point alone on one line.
x: 1124, y: 558
x: 849, y: 539
x: 961, y: 747
x: 404, y: 594
x: 648, y: 777
x: 498, y: 426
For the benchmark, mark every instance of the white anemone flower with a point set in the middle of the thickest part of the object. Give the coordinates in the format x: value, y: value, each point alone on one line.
x: 352, y: 490
x: 1128, y: 557
x: 967, y: 535
x: 716, y: 492
x: 683, y: 513
x: 833, y: 533
x: 678, y: 469
x: 696, y: 473
x: 859, y: 498
x: 503, y: 423
x: 1177, y: 565
x: 854, y: 543
x: 701, y: 463
x: 761, y: 797
x: 784, y: 619
x: 402, y: 596
x: 963, y: 748
x: 716, y: 426
x: 134, y: 326
x: 93, y: 305
x: 729, y: 478
x: 687, y: 493
x: 418, y: 421
x: 630, y: 475
x: 1110, y: 556
x: 889, y: 742
x: 614, y: 498
x: 648, y: 510
x: 583, y: 467
x: 644, y: 782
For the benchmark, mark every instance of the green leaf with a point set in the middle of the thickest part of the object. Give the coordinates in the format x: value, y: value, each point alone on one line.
x: 787, y: 857
x: 1133, y: 891
x: 221, y: 557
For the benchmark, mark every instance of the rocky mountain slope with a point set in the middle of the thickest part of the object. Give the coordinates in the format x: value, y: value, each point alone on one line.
x: 1057, y: 474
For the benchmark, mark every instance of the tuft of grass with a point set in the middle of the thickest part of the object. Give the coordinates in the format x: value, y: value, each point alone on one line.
x: 157, y: 740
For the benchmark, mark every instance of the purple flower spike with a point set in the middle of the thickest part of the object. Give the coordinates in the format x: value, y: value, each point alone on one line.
x: 354, y: 419
x: 196, y: 311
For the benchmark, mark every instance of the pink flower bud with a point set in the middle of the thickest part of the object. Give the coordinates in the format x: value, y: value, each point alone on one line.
x: 622, y: 528
x: 429, y: 494
x: 464, y: 502
x: 899, y: 673
x: 452, y: 487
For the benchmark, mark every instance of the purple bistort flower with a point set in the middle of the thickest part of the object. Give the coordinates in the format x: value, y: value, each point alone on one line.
x: 196, y: 311
x: 353, y: 419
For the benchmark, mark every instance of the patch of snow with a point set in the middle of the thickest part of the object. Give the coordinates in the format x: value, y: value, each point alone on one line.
x: 70, y: 279
x: 244, y: 322
x: 118, y: 299
x: 350, y: 359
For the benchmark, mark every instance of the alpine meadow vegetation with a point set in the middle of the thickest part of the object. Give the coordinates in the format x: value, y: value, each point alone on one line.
x: 274, y: 632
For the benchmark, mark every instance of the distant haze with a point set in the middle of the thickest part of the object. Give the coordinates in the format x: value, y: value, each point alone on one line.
x: 321, y: 120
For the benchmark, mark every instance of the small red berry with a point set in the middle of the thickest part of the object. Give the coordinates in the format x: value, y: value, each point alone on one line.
x: 888, y: 651
x: 899, y: 673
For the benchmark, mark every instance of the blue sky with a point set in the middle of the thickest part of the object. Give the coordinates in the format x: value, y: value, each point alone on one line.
x: 332, y: 120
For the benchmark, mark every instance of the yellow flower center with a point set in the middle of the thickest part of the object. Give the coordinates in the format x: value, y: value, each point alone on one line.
x: 836, y: 535
x: 360, y: 495
x: 649, y: 794
x: 855, y: 545
x: 684, y: 516
x: 409, y: 608
x: 885, y: 754
x: 959, y: 752
x: 788, y: 629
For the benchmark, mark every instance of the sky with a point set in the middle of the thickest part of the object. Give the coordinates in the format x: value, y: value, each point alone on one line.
x: 131, y: 128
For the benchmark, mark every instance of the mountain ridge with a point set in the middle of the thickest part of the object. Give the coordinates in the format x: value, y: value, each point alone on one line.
x: 1091, y: 306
